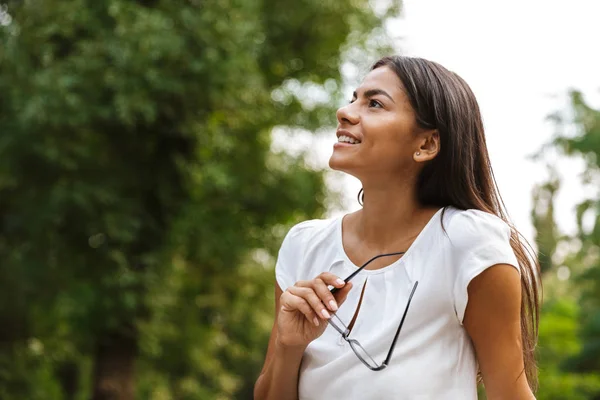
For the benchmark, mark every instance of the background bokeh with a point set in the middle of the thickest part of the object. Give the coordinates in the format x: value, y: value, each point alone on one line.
x: 153, y: 154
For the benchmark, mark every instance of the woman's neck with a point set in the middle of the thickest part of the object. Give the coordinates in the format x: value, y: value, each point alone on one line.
x: 390, y: 217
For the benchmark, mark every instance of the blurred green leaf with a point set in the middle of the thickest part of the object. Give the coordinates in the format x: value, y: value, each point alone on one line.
x: 137, y: 182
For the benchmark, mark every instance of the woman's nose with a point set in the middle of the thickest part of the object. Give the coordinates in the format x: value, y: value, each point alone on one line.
x: 347, y: 114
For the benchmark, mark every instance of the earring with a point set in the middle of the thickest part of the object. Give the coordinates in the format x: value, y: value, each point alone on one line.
x: 418, y: 153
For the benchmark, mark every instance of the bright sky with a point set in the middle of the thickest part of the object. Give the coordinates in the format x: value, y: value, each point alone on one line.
x: 520, y: 58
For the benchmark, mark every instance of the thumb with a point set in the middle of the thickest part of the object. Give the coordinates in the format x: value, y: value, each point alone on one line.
x: 341, y: 294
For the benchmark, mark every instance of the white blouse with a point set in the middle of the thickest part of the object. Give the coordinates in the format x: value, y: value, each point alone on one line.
x: 434, y: 357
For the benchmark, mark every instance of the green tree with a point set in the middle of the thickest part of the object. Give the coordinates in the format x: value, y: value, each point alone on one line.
x: 569, y: 345
x: 586, y: 144
x: 139, y: 199
x: 542, y: 215
x: 559, y: 341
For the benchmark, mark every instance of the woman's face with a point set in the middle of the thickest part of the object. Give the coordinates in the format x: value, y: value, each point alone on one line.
x: 382, y: 121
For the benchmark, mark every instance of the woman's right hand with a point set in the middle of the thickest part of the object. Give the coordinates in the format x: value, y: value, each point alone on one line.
x: 306, y: 307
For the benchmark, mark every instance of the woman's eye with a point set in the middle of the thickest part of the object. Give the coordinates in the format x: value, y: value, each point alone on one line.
x: 352, y: 101
x: 375, y: 103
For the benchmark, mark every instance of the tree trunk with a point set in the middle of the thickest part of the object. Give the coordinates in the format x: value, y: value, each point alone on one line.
x: 68, y: 376
x: 114, y: 367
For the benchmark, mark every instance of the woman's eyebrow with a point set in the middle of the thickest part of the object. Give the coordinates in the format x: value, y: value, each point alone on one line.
x: 373, y: 92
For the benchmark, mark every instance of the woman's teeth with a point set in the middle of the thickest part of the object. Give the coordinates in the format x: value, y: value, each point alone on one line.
x: 347, y: 139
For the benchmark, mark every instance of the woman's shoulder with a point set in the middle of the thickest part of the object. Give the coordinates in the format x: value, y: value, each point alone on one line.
x: 301, y: 240
x: 466, y: 228
x: 310, y: 231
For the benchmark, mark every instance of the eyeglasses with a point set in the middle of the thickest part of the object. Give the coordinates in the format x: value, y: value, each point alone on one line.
x: 360, y: 351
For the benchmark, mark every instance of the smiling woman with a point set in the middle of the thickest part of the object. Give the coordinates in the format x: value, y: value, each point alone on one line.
x: 413, y: 136
x: 382, y: 125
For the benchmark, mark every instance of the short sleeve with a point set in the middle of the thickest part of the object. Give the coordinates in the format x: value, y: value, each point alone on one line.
x: 291, y: 254
x: 479, y: 240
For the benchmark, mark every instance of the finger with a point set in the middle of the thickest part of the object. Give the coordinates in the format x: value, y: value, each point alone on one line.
x: 334, y: 290
x: 290, y: 302
x: 331, y: 279
x: 341, y: 295
x: 313, y: 300
x: 327, y: 277
x: 320, y: 288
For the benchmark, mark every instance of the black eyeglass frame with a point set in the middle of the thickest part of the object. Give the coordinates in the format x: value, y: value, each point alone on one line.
x: 354, y: 344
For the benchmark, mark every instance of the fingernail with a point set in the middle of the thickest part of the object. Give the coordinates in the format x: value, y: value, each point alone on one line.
x: 325, y: 313
x: 339, y: 281
x: 333, y: 305
x: 316, y: 321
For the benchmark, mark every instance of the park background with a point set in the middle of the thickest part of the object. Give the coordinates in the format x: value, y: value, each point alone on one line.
x: 154, y: 153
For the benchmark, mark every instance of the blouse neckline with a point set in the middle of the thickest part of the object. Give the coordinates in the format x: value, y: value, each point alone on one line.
x: 347, y: 261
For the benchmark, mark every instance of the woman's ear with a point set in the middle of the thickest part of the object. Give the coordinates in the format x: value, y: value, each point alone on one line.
x: 429, y: 146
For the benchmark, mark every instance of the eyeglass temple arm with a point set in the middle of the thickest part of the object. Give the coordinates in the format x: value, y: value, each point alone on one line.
x: 389, y: 356
x: 352, y: 275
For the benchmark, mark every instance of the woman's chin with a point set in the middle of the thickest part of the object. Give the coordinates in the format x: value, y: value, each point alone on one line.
x: 340, y: 163
x: 334, y: 162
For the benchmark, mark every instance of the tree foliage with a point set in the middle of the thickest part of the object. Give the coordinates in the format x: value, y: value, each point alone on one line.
x: 140, y: 202
x: 586, y: 143
x: 569, y: 349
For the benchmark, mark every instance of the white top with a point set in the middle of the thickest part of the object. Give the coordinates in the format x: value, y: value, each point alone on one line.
x: 433, y: 357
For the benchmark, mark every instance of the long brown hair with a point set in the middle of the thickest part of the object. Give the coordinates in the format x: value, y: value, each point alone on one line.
x: 461, y: 175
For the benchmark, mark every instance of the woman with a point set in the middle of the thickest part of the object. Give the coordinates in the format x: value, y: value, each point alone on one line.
x: 453, y: 293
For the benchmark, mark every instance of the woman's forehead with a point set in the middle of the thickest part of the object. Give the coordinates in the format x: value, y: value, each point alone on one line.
x: 383, y: 78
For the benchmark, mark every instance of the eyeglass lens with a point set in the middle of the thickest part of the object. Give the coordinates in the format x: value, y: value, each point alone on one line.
x: 339, y: 325
x: 362, y: 354
x: 360, y: 351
